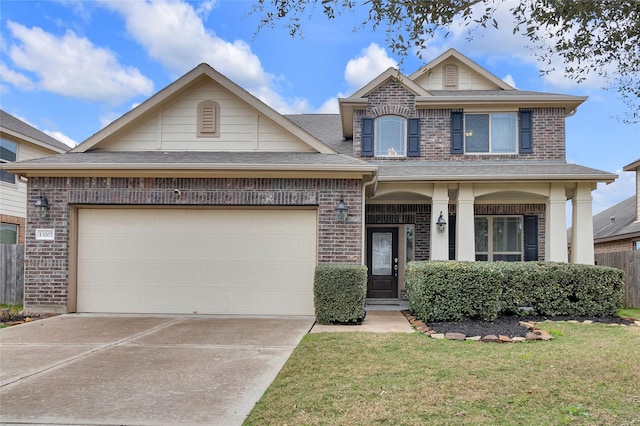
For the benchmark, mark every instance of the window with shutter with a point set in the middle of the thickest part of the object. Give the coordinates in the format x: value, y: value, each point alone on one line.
x: 208, y: 119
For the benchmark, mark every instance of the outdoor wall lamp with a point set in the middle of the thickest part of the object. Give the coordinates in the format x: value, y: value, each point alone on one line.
x: 341, y: 210
x: 42, y: 206
x: 440, y: 223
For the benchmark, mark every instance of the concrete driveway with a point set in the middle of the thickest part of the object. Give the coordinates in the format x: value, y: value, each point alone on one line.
x: 141, y: 370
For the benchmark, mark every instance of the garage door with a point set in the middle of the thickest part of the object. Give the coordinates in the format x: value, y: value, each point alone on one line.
x: 196, y: 261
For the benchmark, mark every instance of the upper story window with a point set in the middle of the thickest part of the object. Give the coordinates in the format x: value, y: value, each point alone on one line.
x: 208, y: 119
x: 8, y: 154
x: 390, y: 136
x: 490, y: 133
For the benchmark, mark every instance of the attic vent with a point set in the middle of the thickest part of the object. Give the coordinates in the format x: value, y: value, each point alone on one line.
x: 450, y: 76
x: 208, y: 119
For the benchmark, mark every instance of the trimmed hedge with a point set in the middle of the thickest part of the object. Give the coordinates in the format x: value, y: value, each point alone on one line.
x: 339, y: 292
x: 453, y: 291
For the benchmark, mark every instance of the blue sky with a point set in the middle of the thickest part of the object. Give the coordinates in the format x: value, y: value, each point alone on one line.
x: 70, y: 67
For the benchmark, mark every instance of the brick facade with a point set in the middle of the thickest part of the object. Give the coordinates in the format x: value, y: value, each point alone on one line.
x: 435, y: 128
x: 47, y: 262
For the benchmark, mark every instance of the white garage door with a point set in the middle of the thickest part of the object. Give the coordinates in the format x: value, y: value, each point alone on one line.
x: 257, y: 262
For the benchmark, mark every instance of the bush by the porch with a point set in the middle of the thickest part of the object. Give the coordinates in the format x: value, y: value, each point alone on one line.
x: 452, y: 291
x: 339, y: 292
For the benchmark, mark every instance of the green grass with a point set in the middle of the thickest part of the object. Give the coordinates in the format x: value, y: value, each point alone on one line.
x: 630, y: 313
x: 588, y: 375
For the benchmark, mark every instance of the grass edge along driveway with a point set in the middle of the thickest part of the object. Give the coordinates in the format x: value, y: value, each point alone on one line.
x: 588, y: 375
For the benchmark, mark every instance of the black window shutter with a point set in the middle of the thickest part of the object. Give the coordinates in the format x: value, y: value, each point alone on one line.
x: 457, y: 135
x: 452, y: 237
x: 530, y: 238
x: 413, y: 137
x: 367, y: 138
x: 526, y: 133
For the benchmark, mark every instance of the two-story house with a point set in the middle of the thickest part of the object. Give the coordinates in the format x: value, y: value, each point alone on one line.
x: 18, y: 142
x: 204, y: 199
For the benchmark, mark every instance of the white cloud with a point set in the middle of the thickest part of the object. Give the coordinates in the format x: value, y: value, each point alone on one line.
x: 179, y: 40
x: 372, y: 61
x: 509, y: 80
x: 71, y: 66
x: 61, y: 137
x: 609, y: 195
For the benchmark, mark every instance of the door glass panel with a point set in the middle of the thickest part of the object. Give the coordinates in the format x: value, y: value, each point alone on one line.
x: 381, y: 249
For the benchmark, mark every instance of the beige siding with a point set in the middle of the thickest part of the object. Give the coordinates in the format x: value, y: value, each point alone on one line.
x: 468, y: 79
x: 242, y: 128
x: 216, y: 261
x: 13, y: 198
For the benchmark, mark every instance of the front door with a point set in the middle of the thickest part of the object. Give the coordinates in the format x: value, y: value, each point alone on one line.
x: 382, y: 261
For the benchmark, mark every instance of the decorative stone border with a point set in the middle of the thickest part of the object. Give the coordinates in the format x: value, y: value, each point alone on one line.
x: 534, y: 332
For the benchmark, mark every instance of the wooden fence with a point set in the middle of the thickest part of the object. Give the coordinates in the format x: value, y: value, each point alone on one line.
x: 11, y: 273
x: 629, y: 262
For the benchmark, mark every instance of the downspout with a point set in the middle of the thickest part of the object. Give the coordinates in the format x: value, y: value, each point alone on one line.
x: 372, y: 181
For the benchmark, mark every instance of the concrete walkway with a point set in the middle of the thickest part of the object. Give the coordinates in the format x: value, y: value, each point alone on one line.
x: 381, y: 318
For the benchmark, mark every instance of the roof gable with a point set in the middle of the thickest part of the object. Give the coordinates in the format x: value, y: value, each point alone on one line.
x: 168, y: 121
x: 390, y: 74
x: 471, y: 76
x: 23, y: 132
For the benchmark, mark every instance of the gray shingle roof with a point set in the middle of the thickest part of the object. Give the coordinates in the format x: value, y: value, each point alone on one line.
x: 13, y: 124
x: 617, y: 221
x: 326, y: 127
x: 499, y: 170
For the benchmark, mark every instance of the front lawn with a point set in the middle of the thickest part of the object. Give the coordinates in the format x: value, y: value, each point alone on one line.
x: 588, y: 375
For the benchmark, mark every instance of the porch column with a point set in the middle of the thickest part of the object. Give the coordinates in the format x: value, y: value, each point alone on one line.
x: 465, y: 232
x: 555, y: 241
x: 439, y: 240
x: 582, y: 226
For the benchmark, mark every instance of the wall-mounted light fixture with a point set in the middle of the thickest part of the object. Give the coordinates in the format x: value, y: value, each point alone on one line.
x: 440, y: 223
x: 341, y: 211
x: 42, y: 206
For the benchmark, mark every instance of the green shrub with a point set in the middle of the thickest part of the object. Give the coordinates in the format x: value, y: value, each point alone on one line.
x: 339, y: 292
x: 452, y: 291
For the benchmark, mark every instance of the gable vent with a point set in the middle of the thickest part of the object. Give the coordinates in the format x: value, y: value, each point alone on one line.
x: 208, y: 119
x: 450, y: 76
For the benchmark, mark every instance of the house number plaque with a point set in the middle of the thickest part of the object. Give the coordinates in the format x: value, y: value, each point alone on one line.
x: 46, y: 234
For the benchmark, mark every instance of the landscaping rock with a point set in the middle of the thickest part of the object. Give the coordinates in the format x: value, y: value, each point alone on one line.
x: 527, y: 324
x: 518, y: 339
x: 491, y: 338
x: 454, y: 336
x: 474, y: 338
x: 437, y: 336
x: 532, y: 336
x: 587, y: 322
x: 504, y: 339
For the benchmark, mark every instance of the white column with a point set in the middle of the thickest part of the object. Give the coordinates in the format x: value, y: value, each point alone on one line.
x: 582, y: 226
x: 439, y: 240
x: 465, y: 232
x: 556, y: 225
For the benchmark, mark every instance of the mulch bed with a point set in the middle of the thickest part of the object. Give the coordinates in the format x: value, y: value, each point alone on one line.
x: 510, y: 325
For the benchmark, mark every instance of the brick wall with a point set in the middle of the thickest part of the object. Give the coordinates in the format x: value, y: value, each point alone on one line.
x: 613, y: 246
x: 47, y: 262
x: 435, y: 128
x: 402, y: 214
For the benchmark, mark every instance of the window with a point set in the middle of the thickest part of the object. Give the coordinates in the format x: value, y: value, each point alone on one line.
x: 636, y: 245
x: 390, y: 136
x: 8, y: 233
x: 208, y: 119
x: 8, y: 154
x: 499, y: 238
x: 490, y: 133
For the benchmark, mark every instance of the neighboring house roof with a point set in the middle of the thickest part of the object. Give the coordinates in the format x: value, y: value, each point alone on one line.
x: 166, y: 95
x: 20, y: 130
x: 617, y: 222
x: 632, y: 166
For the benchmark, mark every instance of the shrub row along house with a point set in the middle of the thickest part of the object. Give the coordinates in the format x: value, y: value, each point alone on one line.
x: 204, y: 199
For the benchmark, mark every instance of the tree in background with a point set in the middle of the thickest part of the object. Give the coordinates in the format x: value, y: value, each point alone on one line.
x: 590, y: 36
